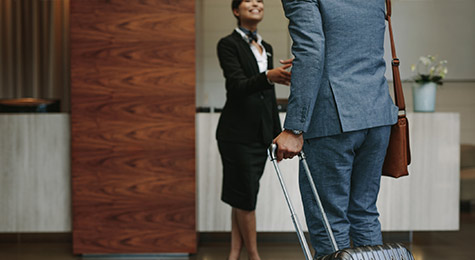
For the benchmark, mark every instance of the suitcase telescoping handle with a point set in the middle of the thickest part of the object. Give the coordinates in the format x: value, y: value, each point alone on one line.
x: 303, y: 242
x: 272, y: 154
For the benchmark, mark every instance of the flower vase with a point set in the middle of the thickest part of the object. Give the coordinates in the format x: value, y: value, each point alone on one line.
x: 424, y: 95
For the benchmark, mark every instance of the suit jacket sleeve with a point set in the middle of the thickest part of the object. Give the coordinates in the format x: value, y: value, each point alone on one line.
x: 305, y: 28
x: 238, y: 84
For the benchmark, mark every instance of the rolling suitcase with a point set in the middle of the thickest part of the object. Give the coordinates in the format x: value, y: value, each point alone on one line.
x: 389, y: 251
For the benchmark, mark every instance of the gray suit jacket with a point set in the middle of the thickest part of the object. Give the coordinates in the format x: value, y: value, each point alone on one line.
x: 338, y: 82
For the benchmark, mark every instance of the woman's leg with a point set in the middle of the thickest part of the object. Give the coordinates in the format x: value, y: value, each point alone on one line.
x: 243, y: 165
x: 247, y: 226
x: 236, y: 237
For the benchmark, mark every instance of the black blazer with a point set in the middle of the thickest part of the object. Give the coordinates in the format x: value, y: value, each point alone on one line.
x: 250, y: 113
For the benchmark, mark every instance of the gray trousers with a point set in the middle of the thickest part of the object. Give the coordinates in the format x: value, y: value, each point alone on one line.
x: 347, y: 173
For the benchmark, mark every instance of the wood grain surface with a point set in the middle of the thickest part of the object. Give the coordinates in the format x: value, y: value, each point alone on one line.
x: 133, y: 133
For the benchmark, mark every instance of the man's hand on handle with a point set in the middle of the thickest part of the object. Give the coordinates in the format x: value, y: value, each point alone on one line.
x: 288, y: 145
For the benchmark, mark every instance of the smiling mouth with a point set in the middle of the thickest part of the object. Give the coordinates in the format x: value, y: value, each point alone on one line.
x: 255, y: 11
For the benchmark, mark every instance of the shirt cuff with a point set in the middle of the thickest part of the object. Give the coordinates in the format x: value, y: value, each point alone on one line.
x: 268, y: 80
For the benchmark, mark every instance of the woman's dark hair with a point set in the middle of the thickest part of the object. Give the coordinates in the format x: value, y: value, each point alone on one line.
x: 235, y: 5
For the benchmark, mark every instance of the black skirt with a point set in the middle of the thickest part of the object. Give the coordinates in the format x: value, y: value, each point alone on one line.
x: 243, y: 165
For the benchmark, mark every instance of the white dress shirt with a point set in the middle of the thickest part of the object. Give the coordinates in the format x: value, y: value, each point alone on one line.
x: 260, y: 57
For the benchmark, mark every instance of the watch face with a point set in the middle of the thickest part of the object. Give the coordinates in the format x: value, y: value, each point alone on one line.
x: 297, y: 132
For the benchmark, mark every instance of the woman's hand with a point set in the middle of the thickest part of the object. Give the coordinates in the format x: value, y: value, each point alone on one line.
x: 289, y: 61
x: 280, y: 74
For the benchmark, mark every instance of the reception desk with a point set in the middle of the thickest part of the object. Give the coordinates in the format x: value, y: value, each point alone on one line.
x: 428, y: 199
x: 35, y: 178
x: 35, y: 182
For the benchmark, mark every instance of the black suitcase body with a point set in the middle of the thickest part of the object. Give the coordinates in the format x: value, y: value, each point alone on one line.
x: 389, y: 251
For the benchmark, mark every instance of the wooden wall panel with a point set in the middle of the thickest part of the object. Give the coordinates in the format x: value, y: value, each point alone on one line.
x: 133, y: 133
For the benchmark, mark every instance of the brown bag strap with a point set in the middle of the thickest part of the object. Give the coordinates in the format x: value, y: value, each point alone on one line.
x: 398, y: 94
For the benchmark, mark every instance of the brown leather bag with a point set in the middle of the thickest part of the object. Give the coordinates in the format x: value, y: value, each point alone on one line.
x: 398, y: 155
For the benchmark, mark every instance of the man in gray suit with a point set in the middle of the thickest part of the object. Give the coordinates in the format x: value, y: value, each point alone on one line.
x: 340, y: 106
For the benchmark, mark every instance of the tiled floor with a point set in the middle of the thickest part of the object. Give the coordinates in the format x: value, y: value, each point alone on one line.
x: 457, y: 245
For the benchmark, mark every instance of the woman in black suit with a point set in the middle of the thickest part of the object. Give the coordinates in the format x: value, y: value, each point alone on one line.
x: 249, y: 120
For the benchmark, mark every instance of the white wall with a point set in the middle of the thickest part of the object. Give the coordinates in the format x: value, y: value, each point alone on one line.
x: 421, y: 27
x: 439, y: 27
x: 445, y: 28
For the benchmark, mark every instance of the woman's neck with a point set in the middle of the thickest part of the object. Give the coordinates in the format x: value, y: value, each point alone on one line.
x: 250, y: 26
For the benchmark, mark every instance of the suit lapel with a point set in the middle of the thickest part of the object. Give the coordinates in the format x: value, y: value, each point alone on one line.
x: 270, y: 61
x: 246, y: 50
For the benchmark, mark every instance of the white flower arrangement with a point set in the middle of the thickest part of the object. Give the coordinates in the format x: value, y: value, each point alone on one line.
x: 428, y: 69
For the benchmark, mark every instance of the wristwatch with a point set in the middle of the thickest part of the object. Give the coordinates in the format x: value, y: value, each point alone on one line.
x: 295, y: 132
